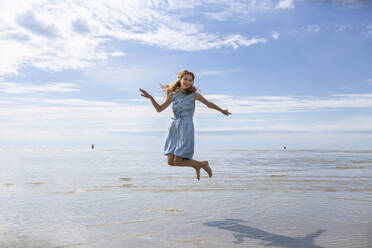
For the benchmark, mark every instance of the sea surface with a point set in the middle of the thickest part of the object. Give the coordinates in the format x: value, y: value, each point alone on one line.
x: 130, y: 197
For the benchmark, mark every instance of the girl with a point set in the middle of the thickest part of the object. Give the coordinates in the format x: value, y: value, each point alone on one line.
x: 179, y: 145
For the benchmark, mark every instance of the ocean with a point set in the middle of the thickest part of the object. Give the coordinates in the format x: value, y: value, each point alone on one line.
x: 129, y: 197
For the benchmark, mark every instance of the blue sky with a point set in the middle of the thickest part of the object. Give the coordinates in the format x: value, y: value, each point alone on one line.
x: 291, y: 72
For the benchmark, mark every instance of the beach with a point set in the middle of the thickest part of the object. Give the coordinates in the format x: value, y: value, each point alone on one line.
x: 130, y: 197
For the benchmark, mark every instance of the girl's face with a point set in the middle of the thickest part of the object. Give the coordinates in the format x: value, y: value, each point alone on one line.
x: 186, y: 82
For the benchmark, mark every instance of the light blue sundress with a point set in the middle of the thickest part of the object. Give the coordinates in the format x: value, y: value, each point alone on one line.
x: 180, y: 139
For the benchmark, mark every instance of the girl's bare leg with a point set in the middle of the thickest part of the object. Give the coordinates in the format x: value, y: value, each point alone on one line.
x: 197, y: 165
x: 170, y: 159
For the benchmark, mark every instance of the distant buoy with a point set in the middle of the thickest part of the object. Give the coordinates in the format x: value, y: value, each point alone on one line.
x: 92, y: 146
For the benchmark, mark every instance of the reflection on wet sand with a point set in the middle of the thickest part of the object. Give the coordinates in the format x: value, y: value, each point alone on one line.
x: 8, y: 184
x: 35, y: 183
x: 124, y: 222
x: 240, y: 231
x: 362, y: 162
x: 168, y: 209
x: 29, y: 241
x: 125, y: 178
x: 281, y: 185
x: 349, y: 167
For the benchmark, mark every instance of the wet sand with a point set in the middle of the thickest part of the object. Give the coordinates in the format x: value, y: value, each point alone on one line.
x: 113, y: 198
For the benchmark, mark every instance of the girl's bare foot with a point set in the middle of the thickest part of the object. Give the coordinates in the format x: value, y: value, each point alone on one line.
x: 207, y: 168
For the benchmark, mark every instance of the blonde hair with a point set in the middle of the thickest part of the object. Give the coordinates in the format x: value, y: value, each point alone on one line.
x: 176, y: 85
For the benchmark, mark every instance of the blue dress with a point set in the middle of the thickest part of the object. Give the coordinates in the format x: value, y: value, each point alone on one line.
x: 180, y: 139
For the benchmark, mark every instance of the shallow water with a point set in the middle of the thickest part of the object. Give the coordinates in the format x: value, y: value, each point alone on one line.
x: 130, y: 197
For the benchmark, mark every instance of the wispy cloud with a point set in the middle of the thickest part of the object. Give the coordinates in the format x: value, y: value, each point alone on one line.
x: 235, y: 9
x: 80, y: 117
x: 313, y: 28
x: 344, y: 28
x: 18, y: 88
x: 368, y: 29
x: 369, y: 81
x: 240, y: 9
x: 137, y: 110
x: 275, y: 35
x: 79, y: 102
x: 349, y: 4
x: 282, y: 104
x: 218, y: 72
x: 285, y: 4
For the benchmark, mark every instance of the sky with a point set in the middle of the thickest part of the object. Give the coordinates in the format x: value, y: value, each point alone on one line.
x: 293, y: 73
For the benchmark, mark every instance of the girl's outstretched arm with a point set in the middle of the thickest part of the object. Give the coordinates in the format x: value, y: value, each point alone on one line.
x: 158, y: 107
x: 210, y: 104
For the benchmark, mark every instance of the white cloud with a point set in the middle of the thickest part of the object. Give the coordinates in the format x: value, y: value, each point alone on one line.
x: 369, y: 81
x: 285, y: 4
x: 28, y: 21
x: 117, y: 54
x: 18, y: 88
x: 313, y: 28
x: 275, y: 35
x: 80, y: 25
x: 72, y: 35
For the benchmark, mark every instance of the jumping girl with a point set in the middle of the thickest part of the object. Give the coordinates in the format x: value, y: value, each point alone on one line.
x: 179, y: 145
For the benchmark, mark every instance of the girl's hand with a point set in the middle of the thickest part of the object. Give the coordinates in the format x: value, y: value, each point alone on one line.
x: 145, y: 94
x: 225, y: 112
